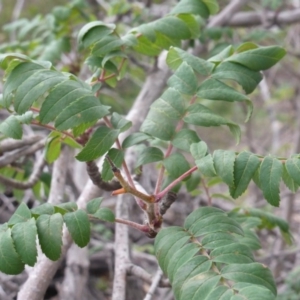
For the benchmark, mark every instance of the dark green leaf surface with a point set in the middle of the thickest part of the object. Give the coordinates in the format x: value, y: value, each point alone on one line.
x: 149, y: 155
x: 176, y: 164
x: 45, y: 208
x: 245, y: 166
x: 49, y: 228
x: 34, y: 87
x: 197, y: 114
x: 254, y: 273
x: 104, y: 214
x: 16, y: 78
x: 99, y: 144
x: 293, y: 168
x: 118, y: 122
x: 225, y: 271
x: 65, y: 207
x: 79, y: 227
x: 106, y: 45
x: 269, y: 176
x: 24, y: 236
x: 83, y: 110
x: 22, y: 214
x: 224, y: 165
x: 206, y: 166
x: 184, y: 138
x: 93, y: 205
x: 60, y: 97
x: 167, y: 24
x: 198, y: 150
x: 196, y: 7
x: 289, y: 181
x: 176, y: 56
x: 247, y: 78
x: 10, y: 261
x: 12, y: 128
x: 184, y: 80
x: 135, y: 138
x: 117, y: 156
x: 258, y: 59
x: 214, y: 89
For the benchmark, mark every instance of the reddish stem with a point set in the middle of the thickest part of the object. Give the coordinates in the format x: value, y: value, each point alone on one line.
x: 174, y: 183
x: 143, y: 228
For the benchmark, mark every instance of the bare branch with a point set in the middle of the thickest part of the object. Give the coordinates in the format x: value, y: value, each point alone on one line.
x: 247, y: 19
x: 121, y: 250
x: 41, y: 275
x: 96, y: 178
x: 224, y: 17
x: 11, y: 144
x: 76, y: 274
x: 144, y: 275
x: 32, y: 180
x: 154, y: 285
x: 11, y: 157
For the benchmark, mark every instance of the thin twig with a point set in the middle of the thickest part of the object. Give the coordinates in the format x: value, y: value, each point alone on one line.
x: 32, y: 180
x: 154, y: 285
x: 141, y: 273
x: 11, y: 144
x: 11, y: 157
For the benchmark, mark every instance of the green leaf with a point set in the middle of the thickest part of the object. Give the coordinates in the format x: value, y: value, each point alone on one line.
x: 106, y: 45
x: 134, y: 138
x: 49, y: 228
x: 16, y: 78
x: 93, y: 205
x: 65, y: 207
x: 22, y: 214
x: 198, y: 150
x: 79, y: 227
x: 206, y: 166
x: 184, y: 80
x: 212, y: 5
x: 176, y: 164
x: 85, y: 109
x: 193, y: 23
x: 225, y: 53
x: 24, y: 235
x: 52, y: 150
x: 120, y: 123
x: 160, y: 121
x: 193, y: 182
x: 60, y: 97
x: 293, y: 168
x: 176, y: 56
x: 34, y: 87
x: 101, y: 141
x: 289, y: 181
x: 7, y: 56
x: 146, y: 47
x: 44, y: 209
x: 247, y: 78
x: 253, y: 273
x: 149, y: 155
x: 258, y: 59
x: 117, y: 156
x: 167, y: 24
x: 195, y: 7
x: 184, y: 138
x: 269, y: 177
x: 224, y: 165
x: 104, y: 214
x: 214, y: 89
x: 197, y: 114
x: 10, y: 261
x: 93, y: 32
x: 12, y: 128
x: 245, y: 166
